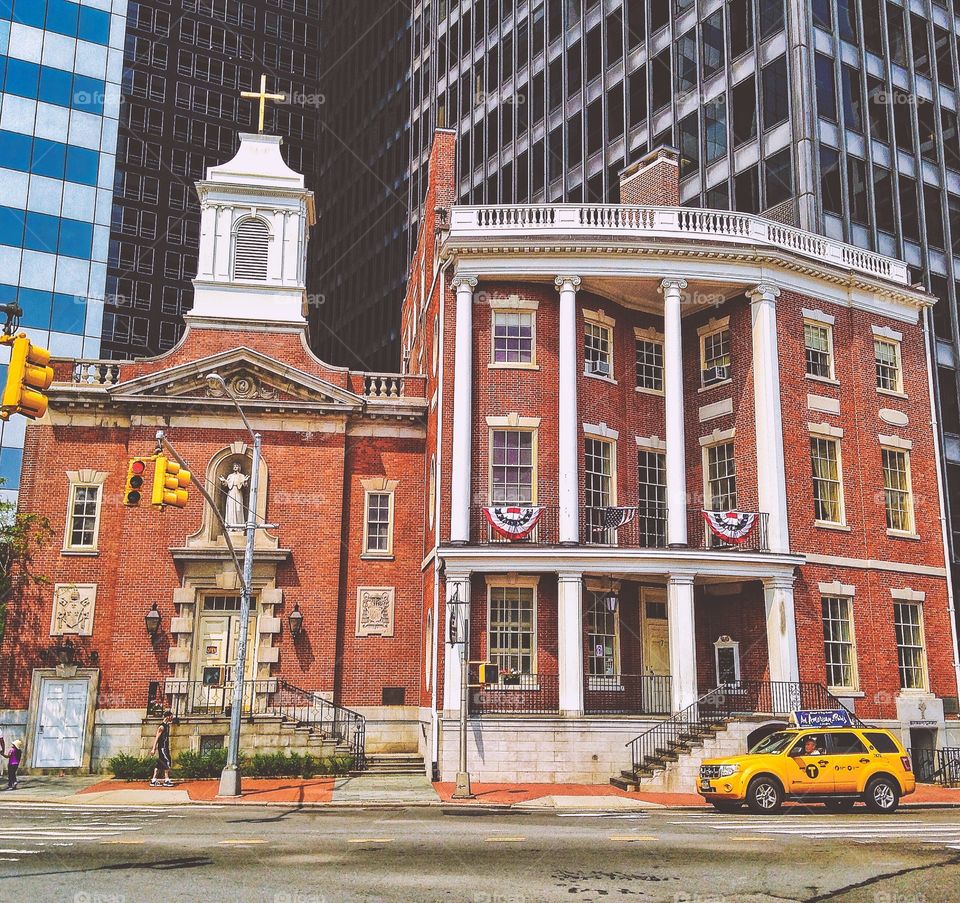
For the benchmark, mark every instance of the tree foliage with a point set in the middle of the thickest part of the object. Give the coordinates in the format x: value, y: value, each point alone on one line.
x: 22, y: 535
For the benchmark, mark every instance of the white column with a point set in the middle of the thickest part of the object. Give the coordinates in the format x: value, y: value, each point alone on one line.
x: 456, y: 627
x: 683, y: 643
x: 771, y: 478
x: 781, y: 629
x: 570, y: 642
x: 462, y: 411
x: 673, y: 405
x: 568, y: 412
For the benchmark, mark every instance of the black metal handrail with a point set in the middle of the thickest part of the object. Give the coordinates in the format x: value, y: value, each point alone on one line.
x: 627, y: 694
x: 937, y: 766
x: 519, y: 694
x: 724, y: 704
x: 313, y: 710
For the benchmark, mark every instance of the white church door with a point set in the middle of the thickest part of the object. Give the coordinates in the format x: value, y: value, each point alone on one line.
x: 61, y: 724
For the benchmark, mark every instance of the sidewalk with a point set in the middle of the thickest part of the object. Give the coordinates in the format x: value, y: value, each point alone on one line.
x: 378, y: 790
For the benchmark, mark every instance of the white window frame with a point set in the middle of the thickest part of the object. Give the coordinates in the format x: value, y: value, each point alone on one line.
x: 378, y: 486
x: 515, y: 582
x: 513, y: 305
x: 911, y: 529
x: 835, y: 436
x: 607, y: 537
x: 707, y: 447
x: 714, y: 328
x: 831, y: 377
x: 924, y: 671
x: 648, y: 337
x: 597, y: 319
x: 83, y: 479
x: 724, y: 642
x: 524, y: 425
x: 846, y: 601
x: 597, y: 602
x: 897, y: 390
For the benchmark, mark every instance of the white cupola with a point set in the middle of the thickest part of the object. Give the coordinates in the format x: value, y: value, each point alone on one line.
x: 255, y: 217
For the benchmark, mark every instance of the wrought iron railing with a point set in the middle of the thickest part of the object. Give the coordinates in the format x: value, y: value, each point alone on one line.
x: 627, y: 694
x: 521, y: 694
x: 647, y: 529
x: 724, y: 704
x: 937, y: 766
x: 545, y: 532
x: 270, y: 696
x: 700, y: 536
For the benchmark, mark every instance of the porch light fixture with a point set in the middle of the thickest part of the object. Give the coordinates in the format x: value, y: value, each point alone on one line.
x: 295, y: 619
x: 152, y: 621
x: 610, y: 600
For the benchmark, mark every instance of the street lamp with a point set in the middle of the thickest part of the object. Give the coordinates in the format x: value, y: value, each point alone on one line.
x: 230, y: 776
x: 295, y: 619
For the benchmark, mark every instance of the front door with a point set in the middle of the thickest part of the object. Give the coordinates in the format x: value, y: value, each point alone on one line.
x: 61, y: 724
x: 810, y: 771
x: 655, y: 633
x: 215, y: 661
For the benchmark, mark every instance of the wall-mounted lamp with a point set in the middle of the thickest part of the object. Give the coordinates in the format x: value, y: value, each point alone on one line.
x: 152, y: 621
x: 610, y: 601
x: 295, y: 619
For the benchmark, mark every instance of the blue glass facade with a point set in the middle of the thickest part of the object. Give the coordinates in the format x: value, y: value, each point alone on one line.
x: 61, y: 64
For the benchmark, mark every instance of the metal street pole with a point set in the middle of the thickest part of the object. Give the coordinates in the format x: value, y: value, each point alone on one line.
x: 230, y: 776
x: 463, y: 790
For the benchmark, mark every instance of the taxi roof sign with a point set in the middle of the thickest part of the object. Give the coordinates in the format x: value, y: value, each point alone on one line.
x: 822, y: 718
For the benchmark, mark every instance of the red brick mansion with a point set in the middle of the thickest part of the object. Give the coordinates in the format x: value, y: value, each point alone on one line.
x: 645, y: 459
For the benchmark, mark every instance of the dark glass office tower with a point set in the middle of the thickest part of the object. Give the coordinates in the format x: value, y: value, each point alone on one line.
x: 839, y: 116
x: 359, y: 258
x: 185, y: 65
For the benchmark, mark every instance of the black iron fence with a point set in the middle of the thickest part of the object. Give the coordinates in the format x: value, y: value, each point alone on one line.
x: 647, y: 529
x: 937, y: 766
x: 519, y: 694
x: 627, y: 694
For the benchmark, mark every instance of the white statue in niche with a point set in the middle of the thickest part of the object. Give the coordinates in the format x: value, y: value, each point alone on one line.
x: 235, y: 513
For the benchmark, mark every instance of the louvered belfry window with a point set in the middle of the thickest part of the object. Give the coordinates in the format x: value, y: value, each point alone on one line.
x: 250, y: 250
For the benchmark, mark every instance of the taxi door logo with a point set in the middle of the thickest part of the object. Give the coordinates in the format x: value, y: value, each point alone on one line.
x: 812, y: 771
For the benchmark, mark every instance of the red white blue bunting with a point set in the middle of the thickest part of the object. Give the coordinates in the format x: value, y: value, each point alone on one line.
x: 513, y: 521
x: 731, y: 526
x: 613, y: 518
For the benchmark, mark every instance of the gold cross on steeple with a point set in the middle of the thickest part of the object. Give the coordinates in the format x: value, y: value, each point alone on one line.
x: 263, y: 97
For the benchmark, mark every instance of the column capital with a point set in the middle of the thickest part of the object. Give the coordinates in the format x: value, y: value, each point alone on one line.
x: 681, y: 579
x: 778, y: 583
x: 570, y: 283
x: 676, y: 284
x: 763, y: 291
x: 459, y: 282
x: 570, y: 576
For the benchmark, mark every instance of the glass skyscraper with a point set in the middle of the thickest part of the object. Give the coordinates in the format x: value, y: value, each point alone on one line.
x: 839, y: 116
x: 60, y: 68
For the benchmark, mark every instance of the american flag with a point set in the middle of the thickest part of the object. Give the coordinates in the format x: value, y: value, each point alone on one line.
x: 613, y: 518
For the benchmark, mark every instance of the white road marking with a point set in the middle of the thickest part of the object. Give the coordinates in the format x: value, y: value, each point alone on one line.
x: 598, y: 815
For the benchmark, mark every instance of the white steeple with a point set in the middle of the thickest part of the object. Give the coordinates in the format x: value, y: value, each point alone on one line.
x: 255, y: 217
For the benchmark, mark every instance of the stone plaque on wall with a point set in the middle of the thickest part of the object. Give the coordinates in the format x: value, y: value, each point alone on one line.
x: 375, y: 610
x: 73, y: 606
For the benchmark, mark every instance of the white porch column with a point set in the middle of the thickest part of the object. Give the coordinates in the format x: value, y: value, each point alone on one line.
x: 570, y: 642
x: 568, y: 413
x: 683, y: 644
x: 462, y: 411
x: 781, y: 629
x: 673, y: 405
x: 771, y: 478
x: 456, y: 627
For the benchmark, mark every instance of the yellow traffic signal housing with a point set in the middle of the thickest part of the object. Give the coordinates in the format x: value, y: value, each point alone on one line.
x: 28, y: 377
x: 170, y: 483
x: 136, y: 474
x: 489, y: 673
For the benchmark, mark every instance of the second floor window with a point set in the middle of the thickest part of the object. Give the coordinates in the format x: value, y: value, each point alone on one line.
x: 911, y: 655
x: 377, y: 537
x: 818, y: 342
x: 597, y: 349
x: 649, y: 365
x: 721, y: 478
x: 512, y: 337
x: 84, y: 511
x: 652, y: 497
x: 827, y: 490
x: 889, y: 373
x: 838, y: 646
x: 715, y: 363
x: 896, y: 490
x: 512, y: 467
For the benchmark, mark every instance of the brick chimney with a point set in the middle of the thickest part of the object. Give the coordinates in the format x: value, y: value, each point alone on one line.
x: 653, y: 180
x: 441, y: 173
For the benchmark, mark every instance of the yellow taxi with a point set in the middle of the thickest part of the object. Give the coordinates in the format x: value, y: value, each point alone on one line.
x: 834, y: 766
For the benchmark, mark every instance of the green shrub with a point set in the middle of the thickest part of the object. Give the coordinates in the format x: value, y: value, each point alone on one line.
x: 196, y: 765
x: 295, y: 765
x: 132, y: 768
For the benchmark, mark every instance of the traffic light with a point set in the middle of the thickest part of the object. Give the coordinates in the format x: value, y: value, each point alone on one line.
x: 170, y: 483
x: 489, y: 673
x: 28, y: 377
x: 136, y: 474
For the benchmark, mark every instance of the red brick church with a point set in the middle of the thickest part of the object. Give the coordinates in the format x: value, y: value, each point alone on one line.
x: 634, y: 453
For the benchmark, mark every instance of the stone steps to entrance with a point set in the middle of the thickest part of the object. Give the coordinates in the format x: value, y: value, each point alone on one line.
x: 394, y: 763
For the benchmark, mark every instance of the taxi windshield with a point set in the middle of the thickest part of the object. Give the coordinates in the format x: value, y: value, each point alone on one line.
x: 775, y: 743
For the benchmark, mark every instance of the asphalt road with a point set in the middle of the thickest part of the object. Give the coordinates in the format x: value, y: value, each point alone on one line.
x: 289, y: 855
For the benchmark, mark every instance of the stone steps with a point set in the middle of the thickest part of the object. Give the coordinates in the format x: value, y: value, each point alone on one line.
x: 394, y: 763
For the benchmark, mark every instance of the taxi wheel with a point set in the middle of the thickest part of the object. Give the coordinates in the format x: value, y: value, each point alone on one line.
x: 764, y: 795
x: 882, y: 795
x: 726, y: 806
x: 840, y: 805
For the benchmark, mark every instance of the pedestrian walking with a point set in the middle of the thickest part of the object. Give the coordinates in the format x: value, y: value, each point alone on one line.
x: 13, y: 758
x: 161, y: 749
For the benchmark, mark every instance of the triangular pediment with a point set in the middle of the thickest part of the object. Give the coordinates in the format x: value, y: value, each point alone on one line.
x: 253, y: 377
